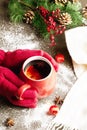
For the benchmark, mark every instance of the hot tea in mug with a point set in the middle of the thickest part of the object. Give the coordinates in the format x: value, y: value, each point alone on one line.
x: 39, y: 73
x: 37, y: 69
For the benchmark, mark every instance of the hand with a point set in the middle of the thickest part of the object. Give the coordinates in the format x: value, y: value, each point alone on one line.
x: 10, y: 89
x: 11, y: 86
x: 16, y: 58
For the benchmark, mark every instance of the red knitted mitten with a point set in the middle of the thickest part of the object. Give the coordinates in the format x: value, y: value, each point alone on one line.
x: 15, y: 58
x: 13, y: 88
x: 9, y: 88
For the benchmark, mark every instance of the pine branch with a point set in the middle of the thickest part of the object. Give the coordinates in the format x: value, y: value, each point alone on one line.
x: 16, y: 11
x: 26, y: 4
x: 74, y: 11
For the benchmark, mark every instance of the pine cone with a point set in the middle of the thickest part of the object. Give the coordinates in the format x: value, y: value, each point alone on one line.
x: 64, y: 2
x: 65, y: 19
x: 74, y: 1
x: 28, y: 17
x: 61, y: 1
x: 84, y: 12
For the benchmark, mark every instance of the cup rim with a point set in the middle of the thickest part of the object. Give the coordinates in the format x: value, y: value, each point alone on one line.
x: 37, y: 58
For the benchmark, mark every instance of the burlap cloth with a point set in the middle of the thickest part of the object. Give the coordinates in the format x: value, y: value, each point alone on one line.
x: 14, y: 36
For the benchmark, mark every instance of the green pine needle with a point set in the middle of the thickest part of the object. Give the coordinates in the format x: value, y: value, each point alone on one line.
x: 17, y: 9
x: 40, y: 25
x: 74, y: 11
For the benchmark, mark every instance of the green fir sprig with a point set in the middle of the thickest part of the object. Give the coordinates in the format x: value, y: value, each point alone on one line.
x: 17, y: 9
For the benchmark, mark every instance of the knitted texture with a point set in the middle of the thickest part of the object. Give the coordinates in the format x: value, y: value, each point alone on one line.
x: 9, y: 80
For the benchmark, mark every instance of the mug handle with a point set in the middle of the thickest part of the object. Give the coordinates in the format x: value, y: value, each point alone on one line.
x: 21, y: 90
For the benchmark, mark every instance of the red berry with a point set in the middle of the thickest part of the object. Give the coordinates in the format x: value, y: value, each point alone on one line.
x: 54, y: 25
x: 59, y: 58
x: 53, y: 110
x: 43, y: 11
x: 53, y: 43
x: 57, y: 32
x: 63, y: 28
x: 53, y: 12
x: 51, y: 19
x: 48, y: 29
x: 59, y: 26
x: 52, y: 37
x: 60, y: 32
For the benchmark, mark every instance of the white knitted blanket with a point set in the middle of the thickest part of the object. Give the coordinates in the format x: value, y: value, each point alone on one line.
x: 73, y: 113
x: 76, y: 41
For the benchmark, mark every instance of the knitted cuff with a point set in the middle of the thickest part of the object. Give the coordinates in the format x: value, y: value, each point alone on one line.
x: 2, y: 56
